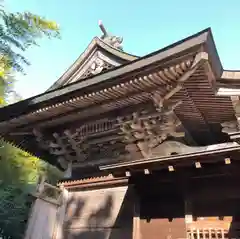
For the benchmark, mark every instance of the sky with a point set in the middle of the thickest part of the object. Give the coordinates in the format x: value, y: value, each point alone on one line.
x: 145, y: 26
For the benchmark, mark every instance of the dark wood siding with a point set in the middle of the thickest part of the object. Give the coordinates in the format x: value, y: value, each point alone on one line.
x: 162, y: 214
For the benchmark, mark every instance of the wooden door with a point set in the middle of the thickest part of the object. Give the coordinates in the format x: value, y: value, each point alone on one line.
x: 162, y: 217
x: 163, y: 229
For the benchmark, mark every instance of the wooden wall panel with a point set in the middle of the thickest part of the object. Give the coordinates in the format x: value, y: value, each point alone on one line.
x: 100, y: 233
x: 162, y: 228
x: 101, y: 213
x: 162, y: 213
x: 42, y: 220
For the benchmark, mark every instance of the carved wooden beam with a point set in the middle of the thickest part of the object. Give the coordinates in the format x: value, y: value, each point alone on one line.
x: 68, y: 171
x: 76, y: 146
x: 41, y: 139
x: 63, y: 162
x: 232, y: 128
x: 53, y: 148
x: 147, y: 131
x: 62, y: 151
x: 169, y: 151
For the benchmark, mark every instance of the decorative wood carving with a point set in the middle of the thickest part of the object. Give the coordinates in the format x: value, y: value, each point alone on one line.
x: 63, y: 162
x: 56, y: 148
x: 96, y: 67
x: 76, y: 144
x: 232, y: 128
x: 142, y: 131
x: 96, y: 62
x: 94, y: 141
x: 168, y: 148
x: 40, y: 139
x: 114, y: 41
x: 111, y: 151
x: 148, y: 131
x: 68, y: 171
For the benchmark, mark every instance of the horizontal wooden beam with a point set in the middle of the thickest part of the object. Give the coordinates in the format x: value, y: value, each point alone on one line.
x: 181, y: 158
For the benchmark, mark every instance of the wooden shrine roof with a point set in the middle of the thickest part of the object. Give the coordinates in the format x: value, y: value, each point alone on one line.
x: 115, y: 76
x: 188, y: 71
x: 95, y: 46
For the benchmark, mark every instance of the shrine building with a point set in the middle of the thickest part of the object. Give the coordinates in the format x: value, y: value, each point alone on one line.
x: 149, y: 146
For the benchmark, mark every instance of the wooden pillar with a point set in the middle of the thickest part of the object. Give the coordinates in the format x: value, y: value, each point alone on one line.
x: 188, y: 210
x: 136, y: 218
x: 58, y: 232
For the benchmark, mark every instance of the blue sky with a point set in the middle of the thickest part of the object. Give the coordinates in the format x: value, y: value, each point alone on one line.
x: 146, y: 26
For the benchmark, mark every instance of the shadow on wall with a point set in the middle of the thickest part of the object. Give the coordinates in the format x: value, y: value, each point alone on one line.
x: 97, y: 223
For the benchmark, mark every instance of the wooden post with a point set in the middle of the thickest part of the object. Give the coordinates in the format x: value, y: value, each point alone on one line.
x: 136, y: 218
x: 188, y: 216
x: 188, y: 211
x: 58, y: 232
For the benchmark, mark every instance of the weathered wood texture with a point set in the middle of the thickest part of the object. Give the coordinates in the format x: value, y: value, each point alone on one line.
x: 213, y: 212
x: 213, y: 227
x: 215, y: 208
x: 58, y: 229
x: 162, y: 228
x: 42, y: 220
x: 100, y: 214
x: 205, y: 223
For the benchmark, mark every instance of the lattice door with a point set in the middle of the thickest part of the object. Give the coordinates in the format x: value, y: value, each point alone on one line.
x: 212, y: 228
x: 207, y: 233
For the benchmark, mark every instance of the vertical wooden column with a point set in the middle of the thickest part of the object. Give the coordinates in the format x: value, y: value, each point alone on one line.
x: 186, y: 189
x: 136, y: 217
x: 58, y: 232
x: 188, y: 210
x: 188, y: 214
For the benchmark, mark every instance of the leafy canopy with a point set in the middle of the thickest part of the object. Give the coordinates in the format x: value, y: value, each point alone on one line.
x: 19, y: 171
x: 18, y: 32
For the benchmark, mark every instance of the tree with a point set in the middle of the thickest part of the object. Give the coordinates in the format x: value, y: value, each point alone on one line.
x: 19, y: 171
x: 18, y: 32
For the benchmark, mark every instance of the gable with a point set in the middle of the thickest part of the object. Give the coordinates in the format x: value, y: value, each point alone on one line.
x: 98, y: 62
x: 97, y: 58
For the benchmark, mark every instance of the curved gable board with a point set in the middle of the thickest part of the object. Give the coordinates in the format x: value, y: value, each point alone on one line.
x: 98, y: 57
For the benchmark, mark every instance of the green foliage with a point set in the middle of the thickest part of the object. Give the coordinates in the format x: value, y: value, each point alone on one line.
x: 18, y: 32
x: 19, y: 174
x: 14, y: 210
x: 19, y: 171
